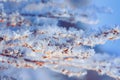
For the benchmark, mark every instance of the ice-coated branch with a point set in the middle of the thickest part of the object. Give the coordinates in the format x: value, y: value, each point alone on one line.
x: 71, y: 66
x: 58, y: 49
x: 54, y: 10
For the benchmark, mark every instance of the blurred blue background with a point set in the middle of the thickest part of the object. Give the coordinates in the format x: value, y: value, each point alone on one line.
x: 113, y: 18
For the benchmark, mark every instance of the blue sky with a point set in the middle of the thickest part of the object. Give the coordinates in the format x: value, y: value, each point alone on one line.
x: 112, y: 47
x: 113, y: 18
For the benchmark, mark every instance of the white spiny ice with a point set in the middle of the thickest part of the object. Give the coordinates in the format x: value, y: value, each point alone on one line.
x: 45, y: 34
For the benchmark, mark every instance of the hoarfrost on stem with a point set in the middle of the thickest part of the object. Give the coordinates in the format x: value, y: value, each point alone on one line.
x: 48, y: 36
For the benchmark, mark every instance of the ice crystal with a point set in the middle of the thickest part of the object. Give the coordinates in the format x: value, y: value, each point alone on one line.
x: 45, y: 34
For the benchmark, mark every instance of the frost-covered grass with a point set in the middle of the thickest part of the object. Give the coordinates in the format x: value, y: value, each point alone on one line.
x: 50, y: 36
